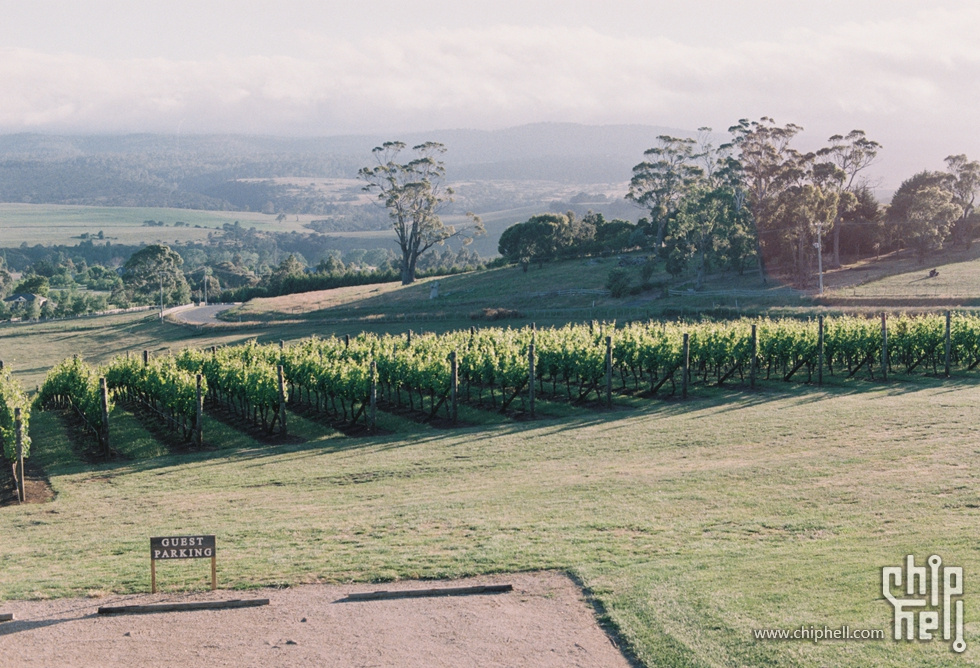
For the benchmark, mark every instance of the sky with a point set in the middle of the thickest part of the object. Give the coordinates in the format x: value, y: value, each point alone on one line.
x: 906, y: 73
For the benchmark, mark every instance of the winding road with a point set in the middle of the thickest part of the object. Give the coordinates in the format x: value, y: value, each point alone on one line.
x: 198, y: 315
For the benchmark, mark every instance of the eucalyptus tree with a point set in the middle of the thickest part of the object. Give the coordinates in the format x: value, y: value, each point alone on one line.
x: 923, y: 211
x: 849, y: 154
x: 661, y: 181
x: 769, y: 167
x: 414, y: 193
x: 964, y: 185
x: 155, y: 272
x: 712, y: 225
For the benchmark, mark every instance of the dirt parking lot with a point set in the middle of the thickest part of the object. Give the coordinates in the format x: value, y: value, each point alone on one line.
x: 544, y: 621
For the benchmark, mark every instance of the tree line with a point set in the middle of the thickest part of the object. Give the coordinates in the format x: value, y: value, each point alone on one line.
x: 757, y: 201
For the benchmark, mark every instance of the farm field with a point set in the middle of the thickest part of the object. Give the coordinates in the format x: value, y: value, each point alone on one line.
x: 51, y: 224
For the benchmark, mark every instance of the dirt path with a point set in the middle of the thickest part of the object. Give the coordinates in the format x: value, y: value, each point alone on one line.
x: 198, y: 315
x: 544, y: 621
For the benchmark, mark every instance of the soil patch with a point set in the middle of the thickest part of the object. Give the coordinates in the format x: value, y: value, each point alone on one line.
x: 545, y: 621
x: 37, y: 487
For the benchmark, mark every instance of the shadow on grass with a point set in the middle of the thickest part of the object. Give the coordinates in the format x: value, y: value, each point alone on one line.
x: 239, y: 446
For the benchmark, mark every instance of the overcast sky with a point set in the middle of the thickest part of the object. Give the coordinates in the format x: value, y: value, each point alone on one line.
x: 906, y: 74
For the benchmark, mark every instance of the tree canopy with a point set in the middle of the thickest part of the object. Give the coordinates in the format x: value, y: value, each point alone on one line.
x: 414, y: 193
x: 923, y: 211
x: 152, y: 271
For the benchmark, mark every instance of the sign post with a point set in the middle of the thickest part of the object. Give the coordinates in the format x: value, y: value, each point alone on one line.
x: 182, y: 547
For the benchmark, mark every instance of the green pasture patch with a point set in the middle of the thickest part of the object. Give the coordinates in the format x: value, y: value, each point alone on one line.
x: 55, y: 224
x: 691, y: 523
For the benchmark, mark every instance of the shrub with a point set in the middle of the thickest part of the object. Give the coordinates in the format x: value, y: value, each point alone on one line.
x: 618, y: 283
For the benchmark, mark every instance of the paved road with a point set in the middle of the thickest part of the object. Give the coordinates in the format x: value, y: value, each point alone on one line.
x: 199, y: 315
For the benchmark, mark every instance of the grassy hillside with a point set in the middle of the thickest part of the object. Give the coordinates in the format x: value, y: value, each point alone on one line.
x: 902, y: 278
x: 693, y: 523
x: 552, y: 292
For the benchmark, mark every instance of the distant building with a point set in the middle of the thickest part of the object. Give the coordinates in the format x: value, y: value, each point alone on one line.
x: 25, y: 298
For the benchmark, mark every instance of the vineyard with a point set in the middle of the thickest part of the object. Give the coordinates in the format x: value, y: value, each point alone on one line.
x: 501, y: 370
x: 15, y: 413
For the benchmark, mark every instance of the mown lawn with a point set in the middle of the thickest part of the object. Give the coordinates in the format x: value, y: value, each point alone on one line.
x: 693, y: 523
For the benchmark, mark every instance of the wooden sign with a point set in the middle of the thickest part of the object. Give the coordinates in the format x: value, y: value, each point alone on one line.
x: 182, y: 547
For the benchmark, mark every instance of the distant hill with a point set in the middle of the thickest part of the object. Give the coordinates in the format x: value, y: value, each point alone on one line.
x: 207, y: 171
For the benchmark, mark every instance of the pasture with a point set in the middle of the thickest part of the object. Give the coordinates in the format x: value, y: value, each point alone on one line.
x: 53, y: 224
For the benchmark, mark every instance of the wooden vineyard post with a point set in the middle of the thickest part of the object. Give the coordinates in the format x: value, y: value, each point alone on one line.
x: 282, y: 400
x: 146, y: 358
x: 755, y: 355
x: 884, y: 347
x: 609, y: 371
x: 346, y: 341
x: 105, y: 415
x: 454, y: 387
x: 530, y: 374
x: 373, y: 415
x: 820, y: 350
x: 687, y: 364
x: 19, y: 429
x: 948, y: 341
x: 408, y: 338
x: 199, y: 416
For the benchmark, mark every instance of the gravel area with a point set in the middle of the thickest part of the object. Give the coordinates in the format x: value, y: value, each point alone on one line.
x: 544, y: 621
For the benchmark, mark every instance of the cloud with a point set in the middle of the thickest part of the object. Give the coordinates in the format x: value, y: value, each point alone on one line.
x: 881, y: 75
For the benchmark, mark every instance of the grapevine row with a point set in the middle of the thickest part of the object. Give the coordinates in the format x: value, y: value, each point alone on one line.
x: 161, y: 386
x: 12, y: 398
x: 74, y: 384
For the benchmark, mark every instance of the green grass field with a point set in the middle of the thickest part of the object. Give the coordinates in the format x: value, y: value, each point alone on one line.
x: 903, y: 277
x: 52, y: 224
x: 692, y: 523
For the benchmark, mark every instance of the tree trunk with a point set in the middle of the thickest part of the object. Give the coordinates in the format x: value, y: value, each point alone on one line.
x: 837, y: 225
x: 409, y: 260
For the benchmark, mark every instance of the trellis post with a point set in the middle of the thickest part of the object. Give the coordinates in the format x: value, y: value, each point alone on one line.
x: 282, y: 400
x: 687, y: 364
x: 373, y: 415
x: 884, y: 347
x: 105, y: 415
x: 199, y: 415
x: 609, y: 371
x: 820, y: 350
x: 19, y: 429
x: 530, y: 373
x: 949, y: 317
x: 454, y: 387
